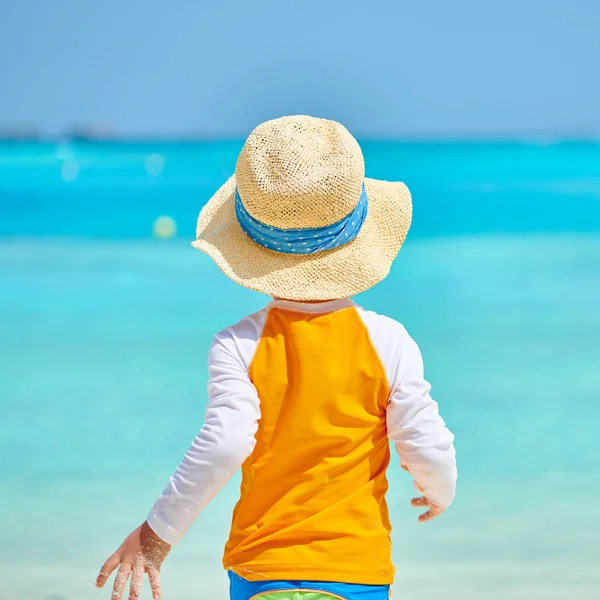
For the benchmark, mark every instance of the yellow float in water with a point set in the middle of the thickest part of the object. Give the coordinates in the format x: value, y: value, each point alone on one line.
x: 164, y: 227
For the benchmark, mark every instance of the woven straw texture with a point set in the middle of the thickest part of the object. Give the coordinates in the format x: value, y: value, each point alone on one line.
x: 298, y: 172
x: 303, y: 172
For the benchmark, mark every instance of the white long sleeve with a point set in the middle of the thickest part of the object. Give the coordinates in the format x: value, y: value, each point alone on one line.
x: 421, y: 438
x: 225, y: 440
x: 423, y: 442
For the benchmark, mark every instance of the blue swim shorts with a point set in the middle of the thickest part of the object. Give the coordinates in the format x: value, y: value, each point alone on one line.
x: 241, y: 589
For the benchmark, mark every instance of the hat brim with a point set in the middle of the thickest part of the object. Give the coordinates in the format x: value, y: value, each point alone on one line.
x: 328, y: 275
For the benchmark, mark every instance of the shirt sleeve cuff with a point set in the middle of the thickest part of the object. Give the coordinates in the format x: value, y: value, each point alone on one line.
x: 165, y: 532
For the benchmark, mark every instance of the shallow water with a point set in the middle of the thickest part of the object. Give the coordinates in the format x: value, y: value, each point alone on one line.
x: 103, y: 346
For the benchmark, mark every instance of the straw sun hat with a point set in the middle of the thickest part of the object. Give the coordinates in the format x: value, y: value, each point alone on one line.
x: 298, y: 220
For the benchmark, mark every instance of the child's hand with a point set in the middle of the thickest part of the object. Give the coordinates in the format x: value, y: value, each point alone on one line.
x: 434, y: 510
x: 141, y: 552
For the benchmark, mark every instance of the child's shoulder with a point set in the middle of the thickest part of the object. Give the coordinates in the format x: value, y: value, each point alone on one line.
x: 250, y: 324
x: 382, y: 325
x: 241, y: 338
x: 392, y: 342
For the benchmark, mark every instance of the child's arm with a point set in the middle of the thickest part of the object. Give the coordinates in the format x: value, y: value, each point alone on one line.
x: 422, y: 440
x: 224, y: 442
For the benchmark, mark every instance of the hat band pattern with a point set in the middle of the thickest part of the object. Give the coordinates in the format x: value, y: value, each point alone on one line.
x: 303, y: 241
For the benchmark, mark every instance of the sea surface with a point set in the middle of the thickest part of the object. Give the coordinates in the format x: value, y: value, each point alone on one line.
x: 104, y: 332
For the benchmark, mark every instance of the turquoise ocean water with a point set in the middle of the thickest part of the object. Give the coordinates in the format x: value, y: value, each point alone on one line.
x: 104, y: 333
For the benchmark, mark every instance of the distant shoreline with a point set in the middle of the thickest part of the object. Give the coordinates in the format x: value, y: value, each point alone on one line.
x: 191, y: 139
x: 102, y: 134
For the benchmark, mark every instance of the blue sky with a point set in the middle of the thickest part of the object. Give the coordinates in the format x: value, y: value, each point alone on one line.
x: 391, y: 68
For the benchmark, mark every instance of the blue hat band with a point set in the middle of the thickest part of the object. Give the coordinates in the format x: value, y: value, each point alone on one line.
x: 303, y: 241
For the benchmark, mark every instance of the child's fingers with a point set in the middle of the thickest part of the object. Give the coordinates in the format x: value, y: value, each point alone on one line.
x: 422, y: 501
x: 404, y: 466
x: 113, y: 561
x: 434, y: 509
x: 154, y: 577
x: 137, y: 578
x: 120, y: 581
x: 430, y: 514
